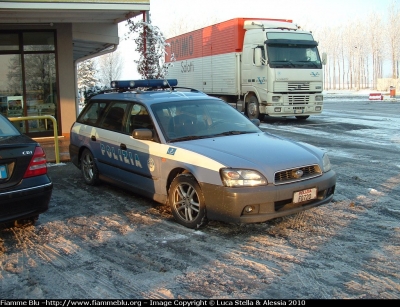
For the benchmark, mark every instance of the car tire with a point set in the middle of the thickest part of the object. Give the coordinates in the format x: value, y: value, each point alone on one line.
x: 187, y: 202
x: 252, y: 107
x: 26, y: 222
x: 89, y: 170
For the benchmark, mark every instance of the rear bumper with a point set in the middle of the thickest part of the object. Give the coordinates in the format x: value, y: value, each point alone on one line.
x: 268, y: 202
x: 25, y: 202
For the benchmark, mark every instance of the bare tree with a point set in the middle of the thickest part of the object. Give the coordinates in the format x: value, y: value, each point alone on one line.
x: 394, y: 37
x: 375, y: 26
x: 357, y: 50
x: 109, y: 67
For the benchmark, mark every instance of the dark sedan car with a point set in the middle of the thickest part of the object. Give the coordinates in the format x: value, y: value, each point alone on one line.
x: 25, y: 187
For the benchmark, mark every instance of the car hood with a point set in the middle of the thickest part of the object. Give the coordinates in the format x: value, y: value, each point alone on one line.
x: 262, y: 151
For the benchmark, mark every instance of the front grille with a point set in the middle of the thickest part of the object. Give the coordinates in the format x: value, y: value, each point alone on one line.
x: 298, y: 99
x: 298, y: 86
x: 289, y: 175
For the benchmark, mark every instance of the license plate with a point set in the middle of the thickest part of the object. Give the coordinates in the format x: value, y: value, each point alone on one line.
x: 298, y: 111
x: 304, y: 195
x: 3, y: 172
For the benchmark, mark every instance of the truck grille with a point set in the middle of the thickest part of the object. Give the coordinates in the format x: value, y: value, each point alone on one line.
x: 298, y: 86
x: 298, y: 99
x: 289, y: 175
x: 295, y: 87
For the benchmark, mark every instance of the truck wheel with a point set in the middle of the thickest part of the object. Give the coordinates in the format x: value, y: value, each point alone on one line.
x: 187, y: 202
x: 252, y: 108
x: 304, y: 117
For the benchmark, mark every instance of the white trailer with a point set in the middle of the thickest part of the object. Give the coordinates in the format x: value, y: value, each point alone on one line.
x: 260, y: 66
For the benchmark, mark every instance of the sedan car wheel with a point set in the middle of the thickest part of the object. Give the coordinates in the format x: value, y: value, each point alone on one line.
x: 89, y: 169
x: 27, y: 221
x: 187, y: 202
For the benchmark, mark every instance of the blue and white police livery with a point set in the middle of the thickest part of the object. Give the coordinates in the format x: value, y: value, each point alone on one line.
x: 196, y: 153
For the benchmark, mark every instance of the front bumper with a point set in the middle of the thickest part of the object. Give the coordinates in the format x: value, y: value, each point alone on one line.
x: 272, y: 201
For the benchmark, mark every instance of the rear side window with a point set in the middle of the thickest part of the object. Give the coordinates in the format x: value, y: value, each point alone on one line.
x: 92, y: 113
x: 6, y: 128
x: 139, y: 118
x: 114, y: 117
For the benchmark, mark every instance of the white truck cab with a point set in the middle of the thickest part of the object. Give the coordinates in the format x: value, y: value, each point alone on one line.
x: 260, y: 66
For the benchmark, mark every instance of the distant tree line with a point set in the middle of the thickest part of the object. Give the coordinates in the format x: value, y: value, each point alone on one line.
x: 358, y: 49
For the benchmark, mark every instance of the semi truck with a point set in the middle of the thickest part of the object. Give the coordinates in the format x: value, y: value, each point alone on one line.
x: 262, y: 67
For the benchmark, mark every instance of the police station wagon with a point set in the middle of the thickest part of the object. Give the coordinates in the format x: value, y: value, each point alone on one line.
x: 196, y: 153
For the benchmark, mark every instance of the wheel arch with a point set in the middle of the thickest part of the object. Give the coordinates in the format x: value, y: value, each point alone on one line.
x: 247, y: 100
x: 81, y: 150
x: 175, y: 172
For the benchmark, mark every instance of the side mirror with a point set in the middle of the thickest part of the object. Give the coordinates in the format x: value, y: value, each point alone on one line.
x: 324, y: 58
x: 142, y: 134
x: 257, y: 57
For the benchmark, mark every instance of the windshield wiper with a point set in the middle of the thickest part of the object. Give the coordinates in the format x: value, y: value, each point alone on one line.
x: 283, y: 63
x: 308, y: 63
x: 189, y: 138
x: 232, y: 132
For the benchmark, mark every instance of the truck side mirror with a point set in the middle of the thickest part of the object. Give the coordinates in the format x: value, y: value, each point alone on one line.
x: 324, y: 58
x: 257, y: 57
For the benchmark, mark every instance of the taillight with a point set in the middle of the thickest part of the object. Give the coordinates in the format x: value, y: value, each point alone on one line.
x: 38, y: 164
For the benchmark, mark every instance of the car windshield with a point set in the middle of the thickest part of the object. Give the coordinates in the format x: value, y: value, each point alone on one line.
x: 7, y: 129
x: 195, y: 119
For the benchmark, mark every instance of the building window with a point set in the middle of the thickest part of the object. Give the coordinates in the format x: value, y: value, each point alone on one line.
x: 28, y: 84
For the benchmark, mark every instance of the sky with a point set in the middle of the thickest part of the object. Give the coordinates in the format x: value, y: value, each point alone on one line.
x: 327, y: 12
x: 167, y: 14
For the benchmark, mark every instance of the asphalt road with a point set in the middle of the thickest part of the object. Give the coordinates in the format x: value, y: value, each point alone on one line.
x: 104, y: 242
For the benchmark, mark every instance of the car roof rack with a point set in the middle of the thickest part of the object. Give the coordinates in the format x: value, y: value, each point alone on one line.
x: 144, y: 85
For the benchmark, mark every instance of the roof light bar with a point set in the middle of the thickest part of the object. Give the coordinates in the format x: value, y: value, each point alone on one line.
x: 154, y: 83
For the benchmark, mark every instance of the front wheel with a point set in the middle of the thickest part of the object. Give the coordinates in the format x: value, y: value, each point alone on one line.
x: 187, y: 202
x: 89, y: 169
x: 252, y: 107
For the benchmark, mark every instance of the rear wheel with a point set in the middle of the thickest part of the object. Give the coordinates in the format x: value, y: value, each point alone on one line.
x: 27, y: 221
x: 89, y: 169
x: 187, y: 202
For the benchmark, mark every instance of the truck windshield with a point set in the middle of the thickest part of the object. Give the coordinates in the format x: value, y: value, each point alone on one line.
x: 293, y: 56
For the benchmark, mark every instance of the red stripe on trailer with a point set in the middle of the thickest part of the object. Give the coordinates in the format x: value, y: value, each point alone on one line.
x: 220, y: 38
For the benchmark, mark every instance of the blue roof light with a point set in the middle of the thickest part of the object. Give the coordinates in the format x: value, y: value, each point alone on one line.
x: 153, y: 83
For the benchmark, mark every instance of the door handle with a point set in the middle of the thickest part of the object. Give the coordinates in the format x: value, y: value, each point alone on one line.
x: 122, y: 146
x: 93, y: 138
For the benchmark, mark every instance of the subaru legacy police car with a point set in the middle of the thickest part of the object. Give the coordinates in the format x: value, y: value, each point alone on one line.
x: 198, y: 154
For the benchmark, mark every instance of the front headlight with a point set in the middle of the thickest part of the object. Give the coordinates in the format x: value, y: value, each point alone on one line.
x: 232, y: 177
x: 326, y: 163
